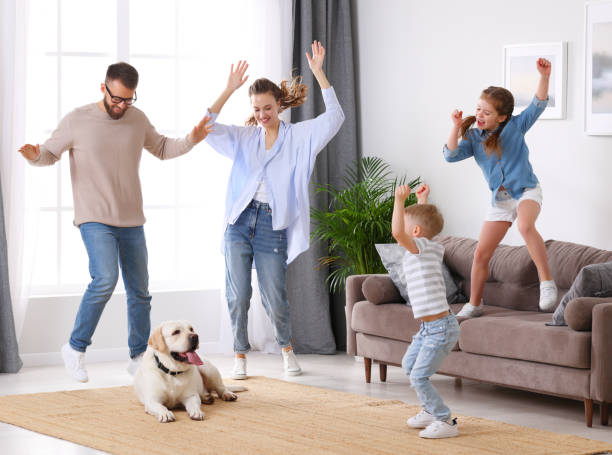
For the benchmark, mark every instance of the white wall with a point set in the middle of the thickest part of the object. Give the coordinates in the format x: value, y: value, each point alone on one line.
x: 419, y: 60
x: 49, y: 321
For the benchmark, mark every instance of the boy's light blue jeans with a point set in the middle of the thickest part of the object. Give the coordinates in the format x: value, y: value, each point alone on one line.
x: 429, y: 347
x: 251, y: 238
x: 107, y: 248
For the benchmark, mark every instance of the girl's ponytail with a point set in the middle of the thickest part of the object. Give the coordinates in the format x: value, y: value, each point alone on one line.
x: 491, y: 143
x: 465, y: 125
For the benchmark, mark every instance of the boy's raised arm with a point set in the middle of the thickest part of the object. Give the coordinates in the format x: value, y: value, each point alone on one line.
x: 397, y: 222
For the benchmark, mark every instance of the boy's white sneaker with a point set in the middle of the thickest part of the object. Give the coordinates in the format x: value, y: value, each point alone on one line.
x: 440, y: 429
x: 421, y: 420
x: 548, y: 295
x: 239, y: 371
x: 471, y: 311
x: 134, y: 363
x: 292, y: 367
x: 74, y: 361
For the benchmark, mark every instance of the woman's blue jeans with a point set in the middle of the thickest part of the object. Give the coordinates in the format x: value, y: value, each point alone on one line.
x: 107, y: 248
x: 251, y: 238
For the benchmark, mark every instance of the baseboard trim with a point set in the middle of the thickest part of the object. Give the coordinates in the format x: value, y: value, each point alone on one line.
x: 99, y: 355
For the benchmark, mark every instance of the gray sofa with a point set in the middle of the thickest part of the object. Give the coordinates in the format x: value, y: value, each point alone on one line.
x: 510, y: 345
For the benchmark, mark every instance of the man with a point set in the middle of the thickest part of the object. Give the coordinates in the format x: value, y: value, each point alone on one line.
x: 105, y: 140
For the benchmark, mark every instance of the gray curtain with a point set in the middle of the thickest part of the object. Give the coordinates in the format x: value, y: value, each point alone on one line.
x: 9, y: 351
x: 317, y: 318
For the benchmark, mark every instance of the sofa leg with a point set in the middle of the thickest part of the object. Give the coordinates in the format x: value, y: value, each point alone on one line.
x: 382, y: 368
x: 603, y: 409
x: 458, y: 382
x: 367, y: 363
x: 588, y: 412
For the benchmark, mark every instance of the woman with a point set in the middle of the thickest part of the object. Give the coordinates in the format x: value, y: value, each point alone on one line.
x: 267, y: 208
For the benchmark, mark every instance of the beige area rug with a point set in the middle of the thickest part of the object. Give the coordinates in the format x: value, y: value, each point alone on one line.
x: 273, y: 417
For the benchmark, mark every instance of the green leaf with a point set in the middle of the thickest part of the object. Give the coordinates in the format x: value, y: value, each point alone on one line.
x: 358, y: 217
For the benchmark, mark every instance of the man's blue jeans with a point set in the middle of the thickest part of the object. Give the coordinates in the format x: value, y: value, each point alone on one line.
x: 107, y: 248
x: 432, y: 343
x: 250, y: 238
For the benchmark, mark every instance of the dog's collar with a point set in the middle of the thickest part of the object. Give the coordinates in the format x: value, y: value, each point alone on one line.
x: 164, y: 369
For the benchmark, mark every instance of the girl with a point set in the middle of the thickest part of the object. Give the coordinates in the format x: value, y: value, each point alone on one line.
x: 267, y: 208
x: 498, y: 145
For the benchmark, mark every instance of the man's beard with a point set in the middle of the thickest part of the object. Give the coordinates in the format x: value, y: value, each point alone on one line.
x: 110, y: 112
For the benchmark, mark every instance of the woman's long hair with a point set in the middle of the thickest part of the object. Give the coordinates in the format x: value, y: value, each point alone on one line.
x: 503, y: 102
x: 290, y: 93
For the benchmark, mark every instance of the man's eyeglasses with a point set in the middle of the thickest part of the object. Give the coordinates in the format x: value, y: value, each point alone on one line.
x: 118, y: 99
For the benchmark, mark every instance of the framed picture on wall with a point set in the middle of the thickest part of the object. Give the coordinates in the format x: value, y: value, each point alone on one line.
x: 598, y: 68
x: 521, y: 75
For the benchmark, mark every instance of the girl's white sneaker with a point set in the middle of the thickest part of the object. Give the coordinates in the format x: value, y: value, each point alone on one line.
x: 548, y: 295
x: 470, y: 311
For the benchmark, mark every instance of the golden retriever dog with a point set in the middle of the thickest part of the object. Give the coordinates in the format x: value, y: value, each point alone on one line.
x: 172, y: 374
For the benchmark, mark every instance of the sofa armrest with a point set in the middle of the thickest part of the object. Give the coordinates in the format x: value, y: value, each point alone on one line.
x: 579, y: 312
x: 353, y: 295
x: 601, y: 353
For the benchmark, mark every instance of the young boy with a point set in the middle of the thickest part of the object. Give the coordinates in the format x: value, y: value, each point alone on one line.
x: 413, y: 227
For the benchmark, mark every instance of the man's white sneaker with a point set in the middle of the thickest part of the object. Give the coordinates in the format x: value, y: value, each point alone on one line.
x: 440, y: 429
x: 470, y: 311
x: 134, y: 363
x: 548, y: 295
x: 74, y: 361
x: 421, y: 420
x: 292, y: 367
x: 239, y: 371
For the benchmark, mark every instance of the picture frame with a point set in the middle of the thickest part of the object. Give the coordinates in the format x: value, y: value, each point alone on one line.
x: 521, y: 75
x: 598, y: 68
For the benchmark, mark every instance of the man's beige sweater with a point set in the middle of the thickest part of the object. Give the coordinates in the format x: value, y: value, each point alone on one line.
x: 104, y: 160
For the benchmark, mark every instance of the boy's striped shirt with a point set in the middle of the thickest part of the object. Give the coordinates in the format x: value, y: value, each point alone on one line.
x: 424, y: 279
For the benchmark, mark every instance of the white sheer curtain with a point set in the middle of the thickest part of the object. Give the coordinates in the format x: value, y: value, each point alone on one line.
x: 270, y: 55
x: 12, y: 164
x: 265, y: 31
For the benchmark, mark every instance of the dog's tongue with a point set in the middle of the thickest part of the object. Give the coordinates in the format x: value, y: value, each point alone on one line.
x: 193, y: 358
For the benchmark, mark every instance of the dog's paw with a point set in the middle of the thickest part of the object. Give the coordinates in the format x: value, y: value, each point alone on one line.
x: 196, y: 414
x: 166, y: 416
x: 208, y: 399
x: 229, y: 396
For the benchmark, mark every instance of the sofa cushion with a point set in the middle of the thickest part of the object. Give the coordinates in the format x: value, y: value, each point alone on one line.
x: 567, y: 259
x: 458, y: 254
x: 513, y: 278
x: 522, y: 335
x: 392, y: 256
x: 593, y: 280
x: 512, y: 264
x: 513, y: 296
x: 380, y: 289
x: 396, y: 320
x: 488, y: 310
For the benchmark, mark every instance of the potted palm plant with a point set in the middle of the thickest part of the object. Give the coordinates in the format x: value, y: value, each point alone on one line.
x: 358, y: 217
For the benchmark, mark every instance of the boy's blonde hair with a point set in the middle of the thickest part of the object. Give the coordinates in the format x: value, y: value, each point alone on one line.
x: 428, y: 217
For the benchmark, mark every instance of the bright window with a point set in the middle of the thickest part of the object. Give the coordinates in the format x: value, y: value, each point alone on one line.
x: 182, y: 50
